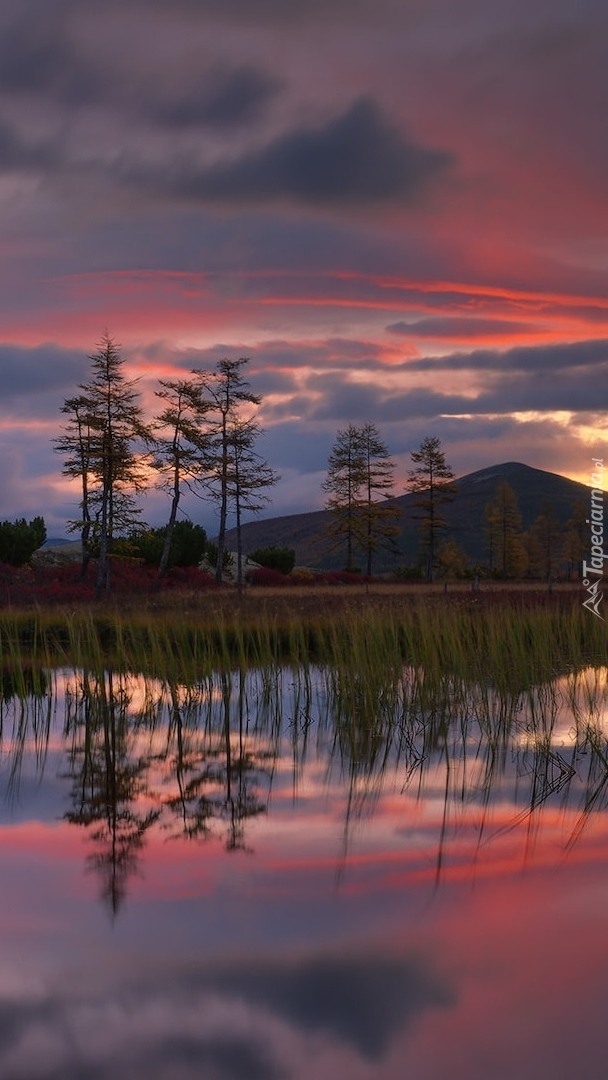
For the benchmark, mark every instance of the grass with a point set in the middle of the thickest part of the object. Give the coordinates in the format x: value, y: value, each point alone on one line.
x: 509, y: 638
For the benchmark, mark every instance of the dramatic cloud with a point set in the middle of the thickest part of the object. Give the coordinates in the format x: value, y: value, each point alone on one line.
x: 234, y: 1020
x: 357, y: 158
x: 540, y: 358
x: 397, y: 210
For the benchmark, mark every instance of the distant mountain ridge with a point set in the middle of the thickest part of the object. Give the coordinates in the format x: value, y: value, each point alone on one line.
x: 306, y: 533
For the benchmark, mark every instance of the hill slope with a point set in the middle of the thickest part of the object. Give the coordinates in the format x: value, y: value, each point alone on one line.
x: 465, y: 515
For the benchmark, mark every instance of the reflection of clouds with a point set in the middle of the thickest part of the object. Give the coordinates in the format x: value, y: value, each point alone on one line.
x: 361, y: 1000
x: 253, y: 1019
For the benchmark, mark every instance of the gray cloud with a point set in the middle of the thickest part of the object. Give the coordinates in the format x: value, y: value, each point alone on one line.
x: 364, y: 1001
x: 357, y: 158
x: 37, y: 58
x: 530, y: 358
x: 28, y: 372
x: 457, y: 327
x: 44, y: 154
x: 223, y: 99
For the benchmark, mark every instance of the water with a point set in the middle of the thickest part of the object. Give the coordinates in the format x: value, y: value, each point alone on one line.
x: 254, y: 878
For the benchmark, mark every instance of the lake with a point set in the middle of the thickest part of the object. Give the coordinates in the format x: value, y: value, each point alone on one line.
x: 264, y: 875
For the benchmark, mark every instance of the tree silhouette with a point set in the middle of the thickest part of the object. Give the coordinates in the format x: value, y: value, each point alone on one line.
x: 105, y: 424
x: 181, y: 447
x: 432, y: 480
x: 226, y: 390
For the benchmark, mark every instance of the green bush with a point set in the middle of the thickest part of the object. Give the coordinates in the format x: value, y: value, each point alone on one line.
x: 211, y: 556
x: 20, y: 539
x: 275, y: 558
x: 188, y: 544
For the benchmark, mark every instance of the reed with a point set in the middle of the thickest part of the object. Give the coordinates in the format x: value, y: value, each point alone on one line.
x: 509, y: 646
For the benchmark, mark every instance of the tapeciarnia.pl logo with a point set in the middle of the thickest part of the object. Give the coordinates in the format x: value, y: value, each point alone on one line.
x: 593, y: 571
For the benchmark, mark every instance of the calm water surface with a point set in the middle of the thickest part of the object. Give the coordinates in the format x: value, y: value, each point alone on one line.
x: 254, y: 878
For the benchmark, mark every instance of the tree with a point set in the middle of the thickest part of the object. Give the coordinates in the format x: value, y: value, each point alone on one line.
x: 503, y: 530
x: 248, y: 475
x: 343, y: 484
x: 181, y: 454
x: 77, y: 444
x: 359, y: 482
x: 379, y: 516
x: 226, y: 390
x: 20, y: 539
x: 452, y: 560
x: 105, y: 426
x: 432, y: 479
x: 547, y: 532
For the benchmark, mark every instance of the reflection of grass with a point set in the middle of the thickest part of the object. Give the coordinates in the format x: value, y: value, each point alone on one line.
x: 511, y: 640
x: 455, y: 701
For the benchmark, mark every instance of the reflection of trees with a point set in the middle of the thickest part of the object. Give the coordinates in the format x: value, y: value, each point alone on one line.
x: 108, y: 780
x: 200, y: 758
x: 216, y: 773
x: 189, y: 765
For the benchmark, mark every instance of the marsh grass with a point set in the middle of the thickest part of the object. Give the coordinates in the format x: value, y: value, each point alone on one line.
x: 365, y: 640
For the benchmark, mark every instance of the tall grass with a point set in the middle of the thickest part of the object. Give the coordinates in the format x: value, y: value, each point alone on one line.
x: 509, y: 647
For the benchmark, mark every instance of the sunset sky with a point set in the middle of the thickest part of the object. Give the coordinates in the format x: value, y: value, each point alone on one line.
x: 397, y: 209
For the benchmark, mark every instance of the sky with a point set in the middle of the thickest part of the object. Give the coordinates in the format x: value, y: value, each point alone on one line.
x: 396, y: 209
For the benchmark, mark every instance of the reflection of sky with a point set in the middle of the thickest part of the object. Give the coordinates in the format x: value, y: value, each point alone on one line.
x: 317, y: 951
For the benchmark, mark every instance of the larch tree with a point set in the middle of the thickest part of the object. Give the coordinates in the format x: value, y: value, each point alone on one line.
x: 547, y: 531
x: 248, y: 477
x: 503, y: 531
x: 343, y: 485
x: 181, y: 447
x: 431, y: 479
x: 380, y: 517
x: 76, y: 443
x: 117, y: 435
x: 226, y: 391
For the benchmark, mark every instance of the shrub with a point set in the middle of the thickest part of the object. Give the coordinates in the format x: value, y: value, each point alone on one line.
x: 188, y: 544
x: 275, y: 558
x: 20, y: 539
x: 265, y: 576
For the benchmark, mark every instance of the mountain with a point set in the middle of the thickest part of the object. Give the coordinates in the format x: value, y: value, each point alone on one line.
x: 465, y: 515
